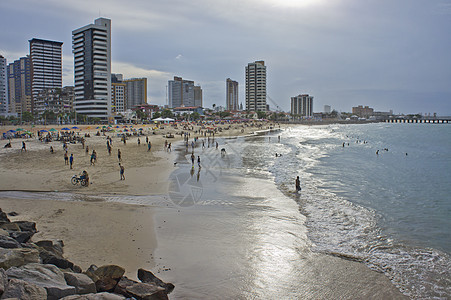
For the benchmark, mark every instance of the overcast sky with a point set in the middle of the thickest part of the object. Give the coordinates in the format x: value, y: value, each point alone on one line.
x: 388, y: 54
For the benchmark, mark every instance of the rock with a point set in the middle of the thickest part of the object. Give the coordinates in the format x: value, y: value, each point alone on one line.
x: 17, y: 257
x: 26, y: 226
x: 53, y: 247
x: 121, y: 287
x: 105, y: 277
x: 10, y: 227
x: 21, y: 236
x: 147, y: 291
x: 82, y: 283
x: 3, y: 217
x: 4, y: 232
x: 50, y: 258
x: 46, y: 276
x: 13, y: 214
x: 148, y: 277
x: 3, y: 281
x: 8, y: 242
x: 19, y: 289
x: 98, y: 296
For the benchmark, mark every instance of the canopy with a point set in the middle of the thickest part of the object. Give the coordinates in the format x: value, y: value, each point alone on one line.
x: 169, y: 120
x: 75, y: 127
x: 52, y: 129
x: 158, y: 119
x: 43, y: 130
x: 65, y: 128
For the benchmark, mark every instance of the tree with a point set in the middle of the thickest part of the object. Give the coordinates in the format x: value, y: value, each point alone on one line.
x: 261, y: 114
x: 167, y: 114
x: 141, y: 115
x: 156, y: 115
x: 27, y: 116
x: 48, y: 115
x: 195, y: 115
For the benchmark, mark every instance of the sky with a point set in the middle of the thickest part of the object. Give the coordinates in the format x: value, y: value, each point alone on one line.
x: 387, y: 54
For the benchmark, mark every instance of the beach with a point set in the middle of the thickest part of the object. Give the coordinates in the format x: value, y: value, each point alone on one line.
x: 138, y: 223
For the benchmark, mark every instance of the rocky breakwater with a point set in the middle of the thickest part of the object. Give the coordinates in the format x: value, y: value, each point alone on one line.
x: 38, y: 270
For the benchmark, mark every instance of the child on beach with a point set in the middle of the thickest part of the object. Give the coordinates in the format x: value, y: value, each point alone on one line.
x: 71, y: 160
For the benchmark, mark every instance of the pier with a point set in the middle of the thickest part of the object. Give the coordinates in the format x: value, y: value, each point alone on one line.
x: 437, y: 120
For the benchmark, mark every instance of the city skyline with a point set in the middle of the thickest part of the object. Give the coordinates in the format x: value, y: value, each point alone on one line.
x: 386, y: 54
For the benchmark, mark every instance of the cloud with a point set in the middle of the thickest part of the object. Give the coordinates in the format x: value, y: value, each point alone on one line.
x: 178, y: 56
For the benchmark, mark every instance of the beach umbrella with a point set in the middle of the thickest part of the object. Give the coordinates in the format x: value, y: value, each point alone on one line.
x: 118, y: 126
x: 65, y: 128
x: 43, y: 130
x: 103, y: 126
x: 52, y: 129
x: 75, y: 127
x: 11, y: 130
x: 19, y: 129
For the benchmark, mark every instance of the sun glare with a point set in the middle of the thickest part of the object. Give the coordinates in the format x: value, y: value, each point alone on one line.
x: 294, y: 3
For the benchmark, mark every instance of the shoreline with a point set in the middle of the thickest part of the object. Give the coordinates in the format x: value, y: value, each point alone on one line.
x: 134, y: 256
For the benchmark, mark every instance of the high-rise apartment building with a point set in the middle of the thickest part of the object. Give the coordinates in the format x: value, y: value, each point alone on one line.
x: 183, y: 93
x: 46, y: 66
x: 3, y: 87
x: 302, y: 105
x: 136, y: 92
x: 231, y: 94
x: 198, y: 96
x: 57, y: 100
x: 119, y: 97
x: 256, y: 86
x: 91, y: 46
x: 19, y: 86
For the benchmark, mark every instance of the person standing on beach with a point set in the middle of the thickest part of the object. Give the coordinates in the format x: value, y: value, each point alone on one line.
x: 119, y: 155
x: 66, y: 158
x: 298, y: 184
x: 122, y: 170
x: 149, y: 146
x: 192, y: 159
x: 71, y: 160
x: 198, y: 161
x: 24, y: 147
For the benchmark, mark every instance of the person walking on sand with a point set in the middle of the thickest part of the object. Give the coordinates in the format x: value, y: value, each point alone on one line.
x: 93, y: 158
x: 119, y: 155
x: 122, y: 170
x: 298, y: 184
x: 66, y: 158
x: 71, y: 160
x: 192, y: 159
x: 24, y: 147
x: 149, y: 146
x: 198, y: 161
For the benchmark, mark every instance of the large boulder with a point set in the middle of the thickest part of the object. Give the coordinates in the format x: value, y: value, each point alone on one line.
x: 20, y: 289
x: 10, y: 227
x: 82, y: 283
x: 46, y: 276
x: 21, y: 236
x: 55, y: 247
x: 148, y: 277
x: 26, y: 226
x: 121, y: 287
x: 3, y: 281
x: 54, y: 259
x: 147, y: 291
x: 98, y: 296
x: 4, y: 232
x: 8, y: 242
x: 105, y: 277
x: 3, y: 217
x: 18, y: 257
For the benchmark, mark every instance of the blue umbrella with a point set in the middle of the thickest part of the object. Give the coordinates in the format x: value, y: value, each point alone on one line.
x: 11, y: 130
x: 75, y: 127
x: 43, y: 130
x: 65, y: 128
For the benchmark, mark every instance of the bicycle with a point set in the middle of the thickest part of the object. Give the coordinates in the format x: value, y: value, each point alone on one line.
x: 79, y: 179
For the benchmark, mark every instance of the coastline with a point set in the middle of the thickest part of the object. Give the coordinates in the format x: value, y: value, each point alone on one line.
x: 137, y: 231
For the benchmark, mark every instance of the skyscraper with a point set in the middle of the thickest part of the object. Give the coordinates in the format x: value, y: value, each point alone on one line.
x: 19, y: 86
x: 183, y: 93
x: 46, y: 66
x: 91, y: 46
x: 256, y: 86
x: 231, y: 94
x: 136, y: 89
x: 3, y: 87
x: 302, y: 105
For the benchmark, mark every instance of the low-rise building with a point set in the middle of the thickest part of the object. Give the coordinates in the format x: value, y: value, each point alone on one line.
x: 57, y: 100
x: 363, y: 112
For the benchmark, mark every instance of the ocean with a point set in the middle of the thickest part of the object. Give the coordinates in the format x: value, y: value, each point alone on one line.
x: 378, y: 194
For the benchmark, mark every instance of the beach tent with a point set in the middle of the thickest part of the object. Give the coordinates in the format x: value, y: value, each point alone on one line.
x: 169, y: 120
x: 158, y: 120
